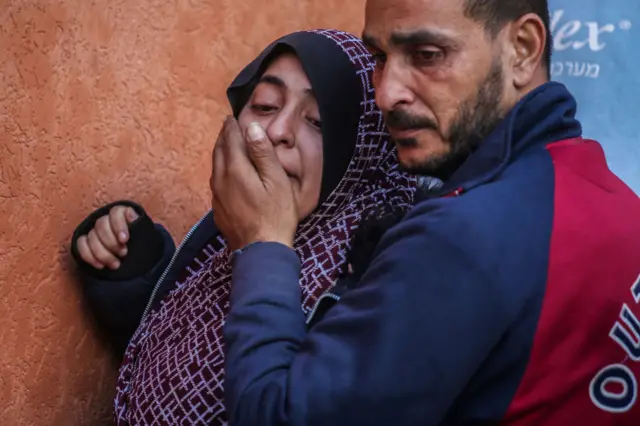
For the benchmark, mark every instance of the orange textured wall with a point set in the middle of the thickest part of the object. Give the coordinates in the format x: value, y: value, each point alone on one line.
x: 103, y: 99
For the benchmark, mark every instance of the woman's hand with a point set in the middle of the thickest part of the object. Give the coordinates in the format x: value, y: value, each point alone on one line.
x: 106, y: 243
x: 252, y: 198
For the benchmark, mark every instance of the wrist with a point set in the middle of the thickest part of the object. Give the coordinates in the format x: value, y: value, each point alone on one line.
x: 249, y: 246
x: 286, y: 239
x: 287, y: 242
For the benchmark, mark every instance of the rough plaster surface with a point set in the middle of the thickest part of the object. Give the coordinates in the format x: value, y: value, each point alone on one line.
x: 103, y: 99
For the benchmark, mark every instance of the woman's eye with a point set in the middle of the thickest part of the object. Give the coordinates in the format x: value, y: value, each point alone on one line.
x: 315, y: 123
x: 263, y: 108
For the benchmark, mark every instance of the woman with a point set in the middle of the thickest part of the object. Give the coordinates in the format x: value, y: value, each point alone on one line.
x: 311, y: 93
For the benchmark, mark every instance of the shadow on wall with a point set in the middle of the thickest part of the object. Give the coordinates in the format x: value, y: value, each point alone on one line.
x: 100, y: 101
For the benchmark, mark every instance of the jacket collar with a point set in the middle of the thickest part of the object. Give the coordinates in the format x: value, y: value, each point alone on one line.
x: 545, y: 115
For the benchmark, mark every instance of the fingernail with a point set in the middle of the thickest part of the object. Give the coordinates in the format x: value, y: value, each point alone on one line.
x: 115, y: 265
x: 123, y: 252
x: 255, y: 132
x: 123, y: 237
x: 131, y: 215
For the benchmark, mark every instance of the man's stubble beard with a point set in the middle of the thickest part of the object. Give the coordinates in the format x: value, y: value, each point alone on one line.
x: 477, y: 117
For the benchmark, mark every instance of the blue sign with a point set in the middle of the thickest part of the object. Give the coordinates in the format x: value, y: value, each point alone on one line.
x: 597, y: 56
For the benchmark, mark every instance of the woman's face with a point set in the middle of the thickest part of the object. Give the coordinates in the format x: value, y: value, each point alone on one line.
x: 285, y: 105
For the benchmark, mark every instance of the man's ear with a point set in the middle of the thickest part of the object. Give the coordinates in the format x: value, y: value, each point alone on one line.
x: 527, y: 38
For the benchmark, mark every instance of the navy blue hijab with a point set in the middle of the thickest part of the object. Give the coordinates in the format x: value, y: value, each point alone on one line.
x: 335, y: 83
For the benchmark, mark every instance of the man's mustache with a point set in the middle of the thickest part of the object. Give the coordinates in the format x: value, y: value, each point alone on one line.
x: 401, y: 120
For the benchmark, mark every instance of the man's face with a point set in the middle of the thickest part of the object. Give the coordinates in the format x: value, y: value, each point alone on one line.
x: 439, y: 80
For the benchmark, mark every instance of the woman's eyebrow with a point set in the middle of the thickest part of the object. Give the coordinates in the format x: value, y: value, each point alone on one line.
x: 278, y: 82
x: 273, y: 80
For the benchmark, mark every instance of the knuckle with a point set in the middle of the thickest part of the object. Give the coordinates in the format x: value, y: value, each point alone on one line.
x: 116, y: 209
x: 102, y: 222
x: 103, y: 255
x: 261, y: 148
x: 94, y: 242
x: 102, y: 232
x: 117, y: 213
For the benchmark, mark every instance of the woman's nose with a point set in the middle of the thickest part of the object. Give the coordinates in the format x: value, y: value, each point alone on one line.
x: 281, y: 130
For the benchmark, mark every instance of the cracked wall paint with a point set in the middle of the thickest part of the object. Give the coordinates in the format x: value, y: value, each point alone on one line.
x: 102, y: 100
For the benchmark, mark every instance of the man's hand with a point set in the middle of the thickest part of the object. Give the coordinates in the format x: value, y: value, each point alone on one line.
x: 252, y: 196
x: 106, y: 243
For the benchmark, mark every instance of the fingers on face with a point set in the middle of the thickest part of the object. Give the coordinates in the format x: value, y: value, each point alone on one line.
x: 228, y: 153
x: 262, y: 153
x: 218, y: 160
x: 234, y: 146
x: 219, y: 163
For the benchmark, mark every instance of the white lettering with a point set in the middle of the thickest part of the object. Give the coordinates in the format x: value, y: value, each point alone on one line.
x: 576, y: 35
x: 556, y: 69
x: 575, y: 69
x: 567, y: 31
x: 594, y: 35
x: 630, y: 344
x: 593, y: 70
x: 602, y: 390
x: 635, y: 290
x: 570, y: 66
x: 580, y: 68
x: 608, y: 400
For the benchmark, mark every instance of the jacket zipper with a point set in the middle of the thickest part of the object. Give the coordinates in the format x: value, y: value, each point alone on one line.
x: 327, y: 295
x: 168, y: 268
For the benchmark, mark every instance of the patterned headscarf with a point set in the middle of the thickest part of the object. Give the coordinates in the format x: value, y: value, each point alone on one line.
x: 172, y: 371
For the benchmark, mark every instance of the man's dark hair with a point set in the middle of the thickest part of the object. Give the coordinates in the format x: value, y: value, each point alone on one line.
x: 495, y: 14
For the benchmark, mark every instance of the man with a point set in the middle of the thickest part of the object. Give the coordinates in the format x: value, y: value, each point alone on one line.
x: 511, y: 296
